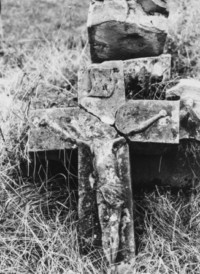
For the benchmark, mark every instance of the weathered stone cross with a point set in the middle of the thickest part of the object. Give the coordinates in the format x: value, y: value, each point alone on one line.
x: 106, y: 122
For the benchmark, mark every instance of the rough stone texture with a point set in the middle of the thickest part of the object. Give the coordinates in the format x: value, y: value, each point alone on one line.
x: 101, y: 89
x: 127, y: 237
x: 114, y: 199
x: 149, y: 121
x: 188, y: 92
x: 139, y: 72
x: 156, y: 67
x: 44, y: 138
x: 47, y: 96
x: 104, y: 174
x: 89, y: 227
x: 124, y: 29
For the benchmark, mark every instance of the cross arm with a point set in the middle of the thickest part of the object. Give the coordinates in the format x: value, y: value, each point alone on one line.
x: 67, y: 136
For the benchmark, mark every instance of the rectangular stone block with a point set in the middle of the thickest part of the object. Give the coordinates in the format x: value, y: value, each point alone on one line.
x: 105, y: 192
x: 145, y: 78
x: 124, y: 29
x: 149, y: 121
x: 154, y: 67
x: 44, y: 138
x: 96, y: 216
x: 127, y: 232
x: 101, y: 89
x: 89, y: 226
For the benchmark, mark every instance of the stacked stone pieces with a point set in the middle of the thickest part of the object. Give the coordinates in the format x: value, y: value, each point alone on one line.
x: 125, y: 29
x: 120, y: 30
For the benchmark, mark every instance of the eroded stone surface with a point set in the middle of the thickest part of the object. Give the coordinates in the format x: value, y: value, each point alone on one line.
x: 89, y: 226
x: 102, y: 90
x: 151, y: 121
x: 44, y: 138
x: 124, y: 29
x: 104, y: 175
x: 141, y: 72
x: 188, y: 92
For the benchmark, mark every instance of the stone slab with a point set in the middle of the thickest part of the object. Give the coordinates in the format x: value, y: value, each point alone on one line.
x: 124, y: 29
x: 101, y: 89
x: 105, y: 205
x: 44, y: 138
x: 140, y: 73
x: 140, y: 121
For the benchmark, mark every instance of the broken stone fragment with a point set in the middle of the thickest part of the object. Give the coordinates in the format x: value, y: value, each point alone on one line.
x: 188, y: 92
x: 125, y: 29
x: 102, y: 87
x: 141, y: 73
x: 149, y: 121
x: 43, y: 138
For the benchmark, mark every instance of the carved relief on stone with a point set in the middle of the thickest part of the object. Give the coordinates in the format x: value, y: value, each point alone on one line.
x: 102, y: 90
x: 104, y: 175
x: 151, y: 121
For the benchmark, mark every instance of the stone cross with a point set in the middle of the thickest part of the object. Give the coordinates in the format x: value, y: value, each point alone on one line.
x: 110, y: 128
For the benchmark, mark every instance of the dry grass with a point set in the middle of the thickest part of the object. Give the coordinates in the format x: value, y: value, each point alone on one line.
x: 38, y: 229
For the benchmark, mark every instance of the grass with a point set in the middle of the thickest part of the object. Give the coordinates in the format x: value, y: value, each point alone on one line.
x: 43, y: 43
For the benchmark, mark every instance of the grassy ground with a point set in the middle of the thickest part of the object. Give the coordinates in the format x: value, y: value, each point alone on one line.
x: 43, y: 42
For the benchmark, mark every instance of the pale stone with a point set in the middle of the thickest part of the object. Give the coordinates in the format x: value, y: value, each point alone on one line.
x: 188, y: 92
x: 155, y: 67
x: 151, y: 121
x: 105, y: 204
x: 101, y: 89
x: 43, y: 138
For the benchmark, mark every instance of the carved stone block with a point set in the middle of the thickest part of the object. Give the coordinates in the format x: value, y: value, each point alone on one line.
x: 89, y: 226
x: 124, y: 29
x: 143, y: 121
x: 105, y: 193
x: 101, y: 89
x: 42, y: 138
x: 127, y: 236
x: 141, y: 73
